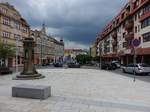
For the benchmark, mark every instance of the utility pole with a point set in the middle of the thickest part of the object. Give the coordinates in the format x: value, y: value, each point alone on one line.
x: 135, y: 44
x: 134, y: 59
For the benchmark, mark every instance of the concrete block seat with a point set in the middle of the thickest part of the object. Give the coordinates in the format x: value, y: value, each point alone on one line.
x: 31, y: 91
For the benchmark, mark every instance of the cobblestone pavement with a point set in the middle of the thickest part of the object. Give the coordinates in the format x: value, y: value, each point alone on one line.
x: 80, y: 90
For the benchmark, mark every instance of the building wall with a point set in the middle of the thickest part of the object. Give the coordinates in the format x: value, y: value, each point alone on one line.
x: 13, y: 29
x: 127, y: 25
x: 70, y: 54
x: 47, y: 48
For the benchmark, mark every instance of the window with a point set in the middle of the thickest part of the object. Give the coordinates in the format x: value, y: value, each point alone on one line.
x: 19, y: 60
x: 146, y: 9
x: 145, y: 23
x: 124, y: 34
x: 6, y: 21
x: 139, y: 14
x: 17, y: 37
x: 17, y: 25
x: 3, y: 10
x: 24, y: 29
x: 135, y: 17
x: 124, y: 44
x: 135, y: 29
x: 6, y: 34
x: 146, y: 37
x: 139, y: 28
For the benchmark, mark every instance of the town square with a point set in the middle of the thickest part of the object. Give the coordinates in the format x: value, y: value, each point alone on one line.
x: 74, y: 56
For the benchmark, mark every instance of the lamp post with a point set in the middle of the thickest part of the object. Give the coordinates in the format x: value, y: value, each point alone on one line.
x: 100, y: 56
x: 41, y: 51
x: 17, y: 39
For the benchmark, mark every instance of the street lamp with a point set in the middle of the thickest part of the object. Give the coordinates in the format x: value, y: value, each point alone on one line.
x: 17, y: 39
x: 100, y: 55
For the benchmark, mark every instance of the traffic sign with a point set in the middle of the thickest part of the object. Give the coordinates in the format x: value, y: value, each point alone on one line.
x: 136, y: 42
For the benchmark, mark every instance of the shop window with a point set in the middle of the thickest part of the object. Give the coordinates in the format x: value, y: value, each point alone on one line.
x: 146, y: 37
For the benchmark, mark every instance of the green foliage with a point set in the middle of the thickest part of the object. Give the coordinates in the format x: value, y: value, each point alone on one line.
x: 6, y: 51
x: 83, y: 59
x: 96, y: 59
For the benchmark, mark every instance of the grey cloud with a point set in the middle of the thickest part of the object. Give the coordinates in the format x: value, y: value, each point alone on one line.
x: 76, y: 20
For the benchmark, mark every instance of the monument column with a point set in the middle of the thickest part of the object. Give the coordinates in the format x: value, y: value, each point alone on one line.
x: 29, y: 71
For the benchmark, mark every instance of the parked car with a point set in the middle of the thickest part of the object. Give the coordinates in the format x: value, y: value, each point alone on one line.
x: 116, y: 64
x: 140, y: 68
x: 108, y: 66
x: 58, y: 64
x: 5, y: 70
x: 73, y: 65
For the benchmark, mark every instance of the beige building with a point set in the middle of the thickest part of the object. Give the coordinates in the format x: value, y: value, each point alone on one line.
x: 47, y: 48
x: 13, y: 29
x: 93, y: 50
x: 70, y: 54
x: 133, y: 22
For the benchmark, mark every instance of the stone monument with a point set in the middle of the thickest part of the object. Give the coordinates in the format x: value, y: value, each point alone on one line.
x: 29, y: 71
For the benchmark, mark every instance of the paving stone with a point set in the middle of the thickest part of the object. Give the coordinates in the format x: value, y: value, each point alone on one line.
x: 80, y: 90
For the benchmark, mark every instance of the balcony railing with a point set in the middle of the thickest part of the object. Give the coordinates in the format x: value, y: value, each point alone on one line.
x: 114, y: 43
x: 114, y: 34
x: 129, y: 36
x: 144, y: 16
x: 129, y: 25
x: 115, y: 49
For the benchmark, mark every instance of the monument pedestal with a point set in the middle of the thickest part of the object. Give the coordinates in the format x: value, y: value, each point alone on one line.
x: 29, y: 77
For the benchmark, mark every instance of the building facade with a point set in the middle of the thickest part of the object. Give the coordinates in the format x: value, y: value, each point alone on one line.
x: 70, y: 54
x: 133, y: 22
x: 13, y: 29
x: 47, y: 48
x: 93, y: 50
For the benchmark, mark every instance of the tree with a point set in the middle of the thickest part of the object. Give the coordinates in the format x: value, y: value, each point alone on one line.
x: 96, y: 59
x: 83, y: 59
x: 6, y: 51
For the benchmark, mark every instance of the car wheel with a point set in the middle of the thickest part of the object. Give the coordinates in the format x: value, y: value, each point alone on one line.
x: 124, y: 71
x: 135, y: 73
x: 107, y: 68
x: 146, y: 74
x: 114, y: 67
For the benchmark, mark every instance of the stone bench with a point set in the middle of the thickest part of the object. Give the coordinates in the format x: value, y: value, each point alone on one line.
x: 31, y: 91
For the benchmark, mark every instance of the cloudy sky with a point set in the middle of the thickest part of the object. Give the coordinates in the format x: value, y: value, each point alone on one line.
x: 76, y: 21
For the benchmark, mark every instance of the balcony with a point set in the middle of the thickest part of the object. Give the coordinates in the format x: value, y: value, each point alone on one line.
x: 115, y: 49
x: 114, y: 34
x: 145, y: 16
x: 129, y: 36
x: 129, y: 25
x: 114, y: 43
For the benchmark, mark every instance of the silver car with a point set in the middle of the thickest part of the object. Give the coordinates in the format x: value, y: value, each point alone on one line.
x: 140, y: 68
